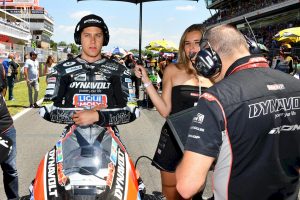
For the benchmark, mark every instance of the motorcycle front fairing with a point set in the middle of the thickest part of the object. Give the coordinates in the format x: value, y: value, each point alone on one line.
x: 88, y: 162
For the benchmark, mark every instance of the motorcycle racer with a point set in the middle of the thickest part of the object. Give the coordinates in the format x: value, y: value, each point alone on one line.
x: 90, y: 88
x: 92, y: 94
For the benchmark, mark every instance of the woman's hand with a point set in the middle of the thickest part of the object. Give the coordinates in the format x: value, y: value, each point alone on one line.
x: 141, y: 73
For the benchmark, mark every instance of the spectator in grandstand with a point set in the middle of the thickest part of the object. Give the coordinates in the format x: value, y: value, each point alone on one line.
x: 180, y: 91
x: 11, y: 70
x: 245, y: 123
x: 31, y: 73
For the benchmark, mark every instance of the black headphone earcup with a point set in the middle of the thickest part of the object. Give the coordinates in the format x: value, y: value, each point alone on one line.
x: 106, y: 40
x: 77, y: 35
x: 208, y: 63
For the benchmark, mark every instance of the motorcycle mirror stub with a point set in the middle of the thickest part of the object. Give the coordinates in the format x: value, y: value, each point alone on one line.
x: 5, y: 147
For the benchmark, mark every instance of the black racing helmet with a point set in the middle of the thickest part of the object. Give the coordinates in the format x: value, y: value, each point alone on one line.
x: 88, y: 21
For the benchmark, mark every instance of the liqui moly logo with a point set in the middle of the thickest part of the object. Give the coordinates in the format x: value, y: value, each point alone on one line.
x: 89, y: 100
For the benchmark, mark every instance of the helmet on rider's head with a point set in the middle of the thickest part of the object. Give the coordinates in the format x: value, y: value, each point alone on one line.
x: 286, y: 48
x: 88, y: 21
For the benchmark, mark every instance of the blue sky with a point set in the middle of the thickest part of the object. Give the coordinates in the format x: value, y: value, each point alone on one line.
x: 161, y: 19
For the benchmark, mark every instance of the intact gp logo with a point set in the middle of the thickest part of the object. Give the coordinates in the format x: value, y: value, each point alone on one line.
x: 3, y: 142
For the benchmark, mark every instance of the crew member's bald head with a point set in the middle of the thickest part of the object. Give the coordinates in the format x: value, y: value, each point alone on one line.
x: 226, y: 40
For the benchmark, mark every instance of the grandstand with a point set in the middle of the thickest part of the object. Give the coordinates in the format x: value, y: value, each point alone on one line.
x: 13, y: 29
x: 266, y: 18
x: 40, y: 22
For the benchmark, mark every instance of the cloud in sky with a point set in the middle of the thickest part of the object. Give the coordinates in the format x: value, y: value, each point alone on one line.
x: 64, y: 33
x: 78, y: 15
x: 185, y: 8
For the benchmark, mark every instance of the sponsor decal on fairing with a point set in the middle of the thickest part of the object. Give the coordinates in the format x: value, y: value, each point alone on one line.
x: 110, y: 175
x: 51, y: 178
x: 82, y: 100
x: 114, y: 152
x: 62, y: 178
x: 273, y: 106
x: 59, y: 152
x: 121, y: 175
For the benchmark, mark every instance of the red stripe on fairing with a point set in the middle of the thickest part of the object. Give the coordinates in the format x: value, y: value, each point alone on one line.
x: 210, y: 97
x: 113, y: 135
x: 72, y: 128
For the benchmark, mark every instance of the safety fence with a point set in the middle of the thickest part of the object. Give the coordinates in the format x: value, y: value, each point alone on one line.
x: 21, y: 53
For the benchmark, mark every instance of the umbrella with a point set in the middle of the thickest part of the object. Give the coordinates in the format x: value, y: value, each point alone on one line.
x: 288, y: 35
x: 140, y: 22
x: 119, y: 51
x: 162, y: 45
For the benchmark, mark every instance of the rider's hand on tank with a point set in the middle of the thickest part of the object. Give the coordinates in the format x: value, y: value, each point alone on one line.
x: 85, y: 117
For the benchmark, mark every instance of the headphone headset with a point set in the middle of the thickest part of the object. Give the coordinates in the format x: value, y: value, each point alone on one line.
x: 88, y: 21
x: 208, y: 62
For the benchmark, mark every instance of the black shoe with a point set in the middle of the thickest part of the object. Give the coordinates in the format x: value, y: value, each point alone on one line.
x: 35, y: 105
x: 30, y: 106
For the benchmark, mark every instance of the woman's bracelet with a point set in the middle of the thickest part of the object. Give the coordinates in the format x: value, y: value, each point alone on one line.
x: 147, y: 84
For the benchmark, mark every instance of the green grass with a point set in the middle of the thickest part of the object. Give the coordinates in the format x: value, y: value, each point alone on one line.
x: 21, y: 96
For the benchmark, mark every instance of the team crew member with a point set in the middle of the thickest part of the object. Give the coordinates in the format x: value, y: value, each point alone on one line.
x: 248, y: 122
x: 100, y: 86
x: 8, y: 132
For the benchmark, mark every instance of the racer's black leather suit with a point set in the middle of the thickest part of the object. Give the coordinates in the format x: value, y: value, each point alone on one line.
x: 76, y: 84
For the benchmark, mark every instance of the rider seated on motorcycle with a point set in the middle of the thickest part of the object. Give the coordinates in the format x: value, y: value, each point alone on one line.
x: 90, y: 88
